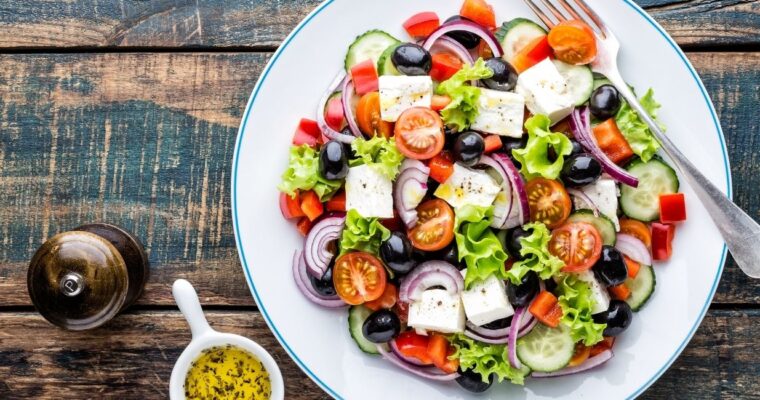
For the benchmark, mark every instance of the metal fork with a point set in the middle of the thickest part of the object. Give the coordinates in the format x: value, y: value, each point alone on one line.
x: 739, y: 230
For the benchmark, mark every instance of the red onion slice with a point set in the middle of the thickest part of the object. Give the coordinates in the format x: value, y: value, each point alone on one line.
x: 409, y: 360
x: 583, y: 196
x: 316, y: 250
x: 427, y: 275
x: 500, y: 218
x: 446, y: 43
x: 326, y: 130
x: 409, y: 190
x: 512, y: 342
x: 580, y: 122
x: 634, y: 248
x: 423, y: 372
x: 346, y: 92
x: 480, y: 338
x: 302, y: 281
x: 592, y: 362
x: 465, y: 26
x: 522, y: 217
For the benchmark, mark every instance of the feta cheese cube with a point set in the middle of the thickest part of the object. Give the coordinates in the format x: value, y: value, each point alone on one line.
x: 604, y: 193
x: 369, y: 192
x: 598, y: 292
x: 500, y: 113
x: 467, y: 186
x: 545, y: 91
x: 486, y: 301
x: 400, y: 93
x: 437, y: 311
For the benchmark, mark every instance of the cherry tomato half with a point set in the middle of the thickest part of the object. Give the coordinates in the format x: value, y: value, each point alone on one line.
x: 386, y: 301
x: 419, y: 133
x: 548, y: 201
x: 573, y: 42
x: 368, y: 116
x: 578, y: 244
x: 359, y: 277
x: 435, y: 228
x: 637, y: 229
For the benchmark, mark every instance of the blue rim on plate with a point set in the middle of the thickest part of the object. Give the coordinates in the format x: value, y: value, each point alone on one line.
x: 239, y: 241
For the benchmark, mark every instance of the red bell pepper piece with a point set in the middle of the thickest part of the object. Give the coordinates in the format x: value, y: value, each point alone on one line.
x: 445, y: 65
x: 662, y: 241
x: 532, y: 54
x: 441, y: 167
x: 364, y: 76
x: 308, y: 133
x: 422, y: 24
x: 310, y: 205
x: 493, y: 143
x: 672, y: 208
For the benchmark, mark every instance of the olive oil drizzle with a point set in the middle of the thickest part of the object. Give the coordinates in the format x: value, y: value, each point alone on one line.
x: 227, y: 372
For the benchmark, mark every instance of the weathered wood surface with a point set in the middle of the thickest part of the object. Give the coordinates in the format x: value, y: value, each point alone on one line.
x: 145, y: 140
x: 132, y: 357
x: 257, y: 24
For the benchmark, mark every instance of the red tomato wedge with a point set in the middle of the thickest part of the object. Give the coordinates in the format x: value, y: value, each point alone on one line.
x: 662, y: 241
x: 337, y: 202
x: 412, y: 345
x: 307, y: 133
x: 479, y: 12
x: 582, y: 352
x: 386, y: 301
x: 419, y: 133
x: 441, y: 167
x: 435, y: 228
x: 573, y: 42
x: 359, y: 277
x: 533, y: 53
x: 334, y: 114
x: 439, y: 102
x: 548, y: 201
x: 445, y: 65
x: 368, y: 116
x: 304, y: 226
x: 605, y: 344
x: 290, y: 206
x: 422, y: 24
x: 493, y: 143
x: 612, y: 142
x: 364, y: 76
x: 672, y: 208
x: 636, y: 229
x: 577, y: 244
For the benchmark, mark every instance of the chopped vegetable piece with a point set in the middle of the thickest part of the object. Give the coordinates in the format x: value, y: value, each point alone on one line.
x: 412, y: 345
x: 620, y: 292
x: 422, y: 24
x: 463, y: 109
x: 307, y: 133
x: 493, y: 143
x: 605, y: 344
x: 662, y: 241
x: 441, y: 167
x: 577, y: 304
x: 364, y: 234
x: 337, y: 203
x: 548, y: 201
x: 291, y: 206
x: 304, y: 226
x: 419, y: 133
x: 379, y: 153
x: 334, y: 114
x: 445, y: 65
x: 580, y: 356
x: 536, y: 257
x: 636, y: 131
x: 359, y: 277
x: 672, y: 208
x: 632, y: 266
x: 303, y: 174
x: 439, y: 102
x: 386, y: 301
x: 546, y: 309
x: 439, y: 350
x: 479, y: 12
x: 364, y: 76
x: 478, y: 245
x: 311, y: 205
x: 573, y: 42
x: 612, y: 142
x: 533, y: 53
x: 486, y: 359
x: 637, y: 229
x: 536, y: 158
x: 368, y: 117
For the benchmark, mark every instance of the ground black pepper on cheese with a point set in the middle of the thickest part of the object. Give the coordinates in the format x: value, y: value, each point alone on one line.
x: 227, y: 372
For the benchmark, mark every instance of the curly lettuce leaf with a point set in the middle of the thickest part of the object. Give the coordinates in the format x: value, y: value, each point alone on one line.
x: 463, y: 109
x: 362, y: 234
x: 536, y: 256
x: 303, y: 174
x: 478, y: 245
x: 379, y: 153
x: 486, y: 359
x: 577, y: 303
x: 636, y: 131
x: 534, y: 158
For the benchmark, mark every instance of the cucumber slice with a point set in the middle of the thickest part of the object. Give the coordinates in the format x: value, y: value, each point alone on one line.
x: 641, y: 287
x: 369, y: 45
x: 601, y: 81
x: 546, y: 349
x: 517, y: 33
x: 385, y: 64
x: 356, y: 317
x: 601, y: 222
x: 655, y: 178
x: 580, y: 81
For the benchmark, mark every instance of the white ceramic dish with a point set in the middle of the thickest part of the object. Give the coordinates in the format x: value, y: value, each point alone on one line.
x: 318, y: 340
x: 205, y: 337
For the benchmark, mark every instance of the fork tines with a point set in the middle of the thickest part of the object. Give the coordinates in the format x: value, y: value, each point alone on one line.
x: 570, y: 12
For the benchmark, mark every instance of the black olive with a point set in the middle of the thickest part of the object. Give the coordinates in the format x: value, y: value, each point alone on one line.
x: 510, y: 144
x: 381, y: 326
x: 611, y: 269
x: 551, y: 154
x: 333, y: 160
x: 468, y: 148
x: 473, y: 382
x: 550, y: 284
x: 499, y: 324
x: 577, y: 148
x: 504, y: 75
x: 605, y: 102
x: 396, y: 253
x: 448, y: 254
x: 580, y: 170
x: 520, y: 295
x: 513, y: 244
x: 467, y: 39
x: 412, y: 59
x: 618, y: 318
x: 325, y: 285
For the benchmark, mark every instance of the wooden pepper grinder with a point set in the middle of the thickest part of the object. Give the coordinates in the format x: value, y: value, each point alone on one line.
x: 83, y: 278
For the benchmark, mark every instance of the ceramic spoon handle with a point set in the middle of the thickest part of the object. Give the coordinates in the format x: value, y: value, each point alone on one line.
x: 187, y: 300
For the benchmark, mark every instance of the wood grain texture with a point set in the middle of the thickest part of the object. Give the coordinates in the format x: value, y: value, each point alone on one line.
x: 256, y: 24
x: 146, y: 140
x: 132, y: 357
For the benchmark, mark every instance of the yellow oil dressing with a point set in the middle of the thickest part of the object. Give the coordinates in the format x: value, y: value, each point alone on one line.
x: 227, y: 372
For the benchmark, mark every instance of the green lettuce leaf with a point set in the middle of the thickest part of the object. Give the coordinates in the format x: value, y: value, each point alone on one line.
x: 535, y: 250
x: 362, y: 234
x: 463, y: 109
x: 534, y: 158
x: 379, y: 153
x: 486, y: 359
x: 303, y: 174
x: 636, y: 131
x: 478, y: 245
x: 576, y: 302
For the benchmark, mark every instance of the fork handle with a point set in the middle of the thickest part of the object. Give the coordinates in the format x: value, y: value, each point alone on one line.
x: 739, y: 230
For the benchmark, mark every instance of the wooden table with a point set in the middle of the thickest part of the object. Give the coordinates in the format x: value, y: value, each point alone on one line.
x: 126, y: 111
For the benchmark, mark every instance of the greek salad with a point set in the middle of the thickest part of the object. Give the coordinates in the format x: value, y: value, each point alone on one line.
x: 484, y: 205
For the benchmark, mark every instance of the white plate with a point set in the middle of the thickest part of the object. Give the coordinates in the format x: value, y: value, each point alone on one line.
x: 317, y: 339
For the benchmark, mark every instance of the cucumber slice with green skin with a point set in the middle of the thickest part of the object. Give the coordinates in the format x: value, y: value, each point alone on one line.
x: 641, y: 287
x: 369, y: 45
x: 655, y: 178
x: 546, y: 349
x: 356, y: 317
x: 385, y: 64
x: 579, y: 79
x: 515, y: 34
x: 601, y: 82
x: 603, y: 224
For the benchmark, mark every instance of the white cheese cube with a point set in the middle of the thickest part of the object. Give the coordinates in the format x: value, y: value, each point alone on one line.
x: 369, y: 192
x: 486, y: 301
x: 400, y: 93
x: 545, y: 91
x: 604, y: 194
x: 500, y: 113
x: 467, y: 186
x: 437, y: 311
x: 598, y: 292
